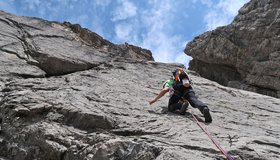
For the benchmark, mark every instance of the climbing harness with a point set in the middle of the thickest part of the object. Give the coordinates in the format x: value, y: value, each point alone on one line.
x: 223, y: 151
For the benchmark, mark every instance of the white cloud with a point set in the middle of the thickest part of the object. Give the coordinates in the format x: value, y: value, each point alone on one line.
x: 31, y: 4
x: 183, y: 58
x: 223, y: 13
x: 231, y: 7
x: 214, y: 19
x: 157, y: 20
x: 79, y: 19
x: 159, y: 16
x: 125, y: 10
x: 123, y: 31
x: 96, y: 24
x: 103, y: 3
x: 183, y: 44
x: 208, y: 3
x: 46, y: 9
x: 8, y: 6
x: 166, y: 46
x: 152, y: 29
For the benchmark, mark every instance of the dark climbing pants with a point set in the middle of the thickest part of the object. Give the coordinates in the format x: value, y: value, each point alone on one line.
x: 174, y: 103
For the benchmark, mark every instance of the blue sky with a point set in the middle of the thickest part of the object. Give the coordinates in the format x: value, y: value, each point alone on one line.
x: 162, y: 26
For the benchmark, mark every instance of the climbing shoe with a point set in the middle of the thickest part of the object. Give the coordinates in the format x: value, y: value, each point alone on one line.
x: 207, y: 116
x: 184, y: 108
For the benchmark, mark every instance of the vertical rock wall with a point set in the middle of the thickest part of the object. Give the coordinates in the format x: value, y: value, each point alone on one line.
x: 244, y: 54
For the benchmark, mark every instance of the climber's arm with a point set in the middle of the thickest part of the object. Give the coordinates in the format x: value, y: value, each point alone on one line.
x: 161, y: 93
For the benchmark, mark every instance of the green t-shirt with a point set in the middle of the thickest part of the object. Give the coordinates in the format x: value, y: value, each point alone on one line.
x: 168, y: 83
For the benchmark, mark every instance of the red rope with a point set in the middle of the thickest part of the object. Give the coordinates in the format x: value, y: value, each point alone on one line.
x: 224, y: 152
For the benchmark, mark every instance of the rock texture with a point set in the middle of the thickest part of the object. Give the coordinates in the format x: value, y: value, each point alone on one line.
x: 244, y: 54
x: 55, y: 49
x: 68, y: 94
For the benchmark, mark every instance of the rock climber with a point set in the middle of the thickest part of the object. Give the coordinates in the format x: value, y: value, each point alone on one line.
x: 182, y: 93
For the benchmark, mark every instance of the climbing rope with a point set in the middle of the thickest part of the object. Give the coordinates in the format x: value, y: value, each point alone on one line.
x: 223, y: 151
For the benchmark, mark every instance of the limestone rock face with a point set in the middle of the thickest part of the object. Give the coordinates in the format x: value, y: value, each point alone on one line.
x: 244, y: 54
x: 68, y: 96
x: 55, y: 48
x: 94, y: 40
